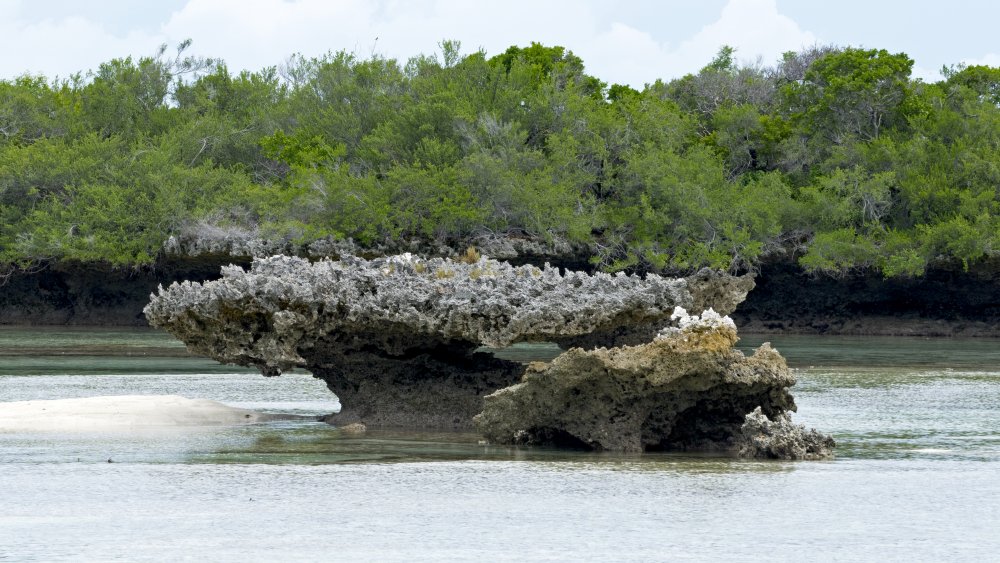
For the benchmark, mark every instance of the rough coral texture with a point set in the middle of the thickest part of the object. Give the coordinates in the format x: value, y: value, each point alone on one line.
x: 503, y: 247
x: 396, y: 337
x: 206, y: 239
x: 687, y: 390
x: 779, y: 438
x: 398, y: 340
x: 397, y: 305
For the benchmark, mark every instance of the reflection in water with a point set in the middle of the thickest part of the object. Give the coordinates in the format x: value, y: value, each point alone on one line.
x: 321, y: 444
x: 917, y: 473
x: 918, y: 397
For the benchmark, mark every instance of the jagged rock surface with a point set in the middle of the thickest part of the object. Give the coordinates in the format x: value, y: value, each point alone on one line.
x: 395, y: 337
x: 708, y: 290
x: 210, y: 238
x: 394, y: 306
x: 779, y: 438
x: 206, y: 239
x: 687, y: 390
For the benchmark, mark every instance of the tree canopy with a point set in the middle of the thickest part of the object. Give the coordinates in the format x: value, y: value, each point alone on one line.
x: 836, y: 157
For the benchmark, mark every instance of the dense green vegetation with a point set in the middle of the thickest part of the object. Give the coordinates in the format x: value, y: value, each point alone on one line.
x: 835, y: 156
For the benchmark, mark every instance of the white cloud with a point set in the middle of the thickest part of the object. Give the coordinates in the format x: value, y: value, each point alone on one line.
x: 256, y: 33
x: 624, y: 55
x: 252, y: 34
x: 989, y: 59
x: 754, y: 27
x: 63, y: 46
x: 927, y: 75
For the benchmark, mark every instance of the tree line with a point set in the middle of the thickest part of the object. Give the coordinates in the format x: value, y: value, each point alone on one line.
x: 835, y: 157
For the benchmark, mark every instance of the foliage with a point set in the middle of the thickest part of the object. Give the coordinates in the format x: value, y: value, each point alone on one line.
x: 834, y: 155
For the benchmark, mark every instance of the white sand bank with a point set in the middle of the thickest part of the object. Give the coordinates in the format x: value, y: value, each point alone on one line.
x: 123, y: 412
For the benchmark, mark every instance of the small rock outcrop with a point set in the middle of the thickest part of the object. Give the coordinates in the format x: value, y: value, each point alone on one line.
x: 687, y: 390
x: 399, y: 340
x: 778, y: 438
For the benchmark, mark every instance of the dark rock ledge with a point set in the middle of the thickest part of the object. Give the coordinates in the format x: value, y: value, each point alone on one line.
x: 396, y: 339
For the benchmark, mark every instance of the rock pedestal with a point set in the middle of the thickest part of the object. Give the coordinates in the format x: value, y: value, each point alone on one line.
x: 398, y: 340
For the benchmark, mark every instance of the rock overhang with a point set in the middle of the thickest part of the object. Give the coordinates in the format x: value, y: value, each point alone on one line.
x: 264, y: 315
x: 396, y: 339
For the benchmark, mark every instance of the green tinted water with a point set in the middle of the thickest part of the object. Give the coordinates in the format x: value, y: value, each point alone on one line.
x: 917, y: 476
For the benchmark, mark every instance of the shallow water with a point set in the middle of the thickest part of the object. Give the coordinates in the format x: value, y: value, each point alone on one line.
x: 917, y: 473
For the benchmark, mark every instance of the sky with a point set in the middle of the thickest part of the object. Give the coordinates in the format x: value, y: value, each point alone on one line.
x: 620, y: 41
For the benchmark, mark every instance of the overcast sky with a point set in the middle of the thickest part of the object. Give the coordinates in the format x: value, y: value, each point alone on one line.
x: 620, y: 41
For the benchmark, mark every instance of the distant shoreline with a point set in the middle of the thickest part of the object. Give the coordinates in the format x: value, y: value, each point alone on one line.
x: 943, y: 303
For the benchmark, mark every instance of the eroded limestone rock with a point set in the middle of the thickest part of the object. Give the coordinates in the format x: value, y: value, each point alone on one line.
x: 688, y: 389
x: 397, y: 340
x: 396, y: 337
x: 779, y: 438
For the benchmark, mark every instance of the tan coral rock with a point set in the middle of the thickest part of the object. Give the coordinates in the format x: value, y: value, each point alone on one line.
x: 687, y: 390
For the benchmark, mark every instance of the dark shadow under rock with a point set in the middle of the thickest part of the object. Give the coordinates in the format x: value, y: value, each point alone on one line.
x: 423, y: 391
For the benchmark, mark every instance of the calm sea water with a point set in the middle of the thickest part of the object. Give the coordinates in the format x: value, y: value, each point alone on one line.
x: 916, y: 477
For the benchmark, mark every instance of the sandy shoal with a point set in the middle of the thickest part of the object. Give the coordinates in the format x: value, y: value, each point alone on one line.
x: 121, y: 412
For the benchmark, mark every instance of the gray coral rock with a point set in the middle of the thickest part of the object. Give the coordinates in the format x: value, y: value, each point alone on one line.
x: 398, y: 340
x: 399, y: 304
x: 778, y: 438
